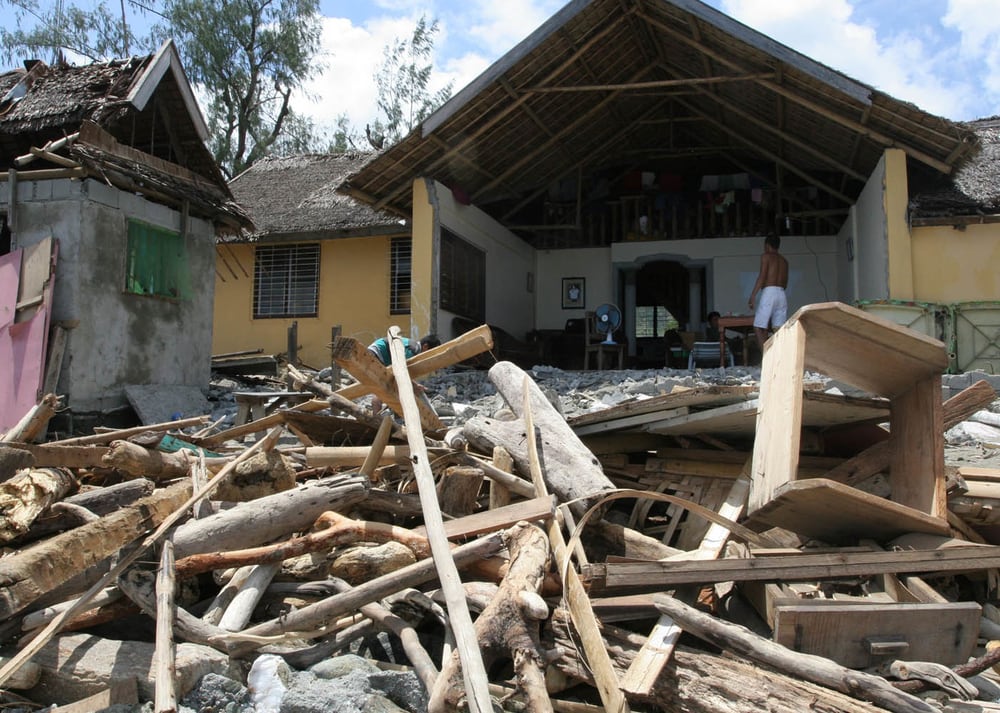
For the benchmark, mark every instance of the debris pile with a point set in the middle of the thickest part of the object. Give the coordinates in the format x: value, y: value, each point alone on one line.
x: 656, y: 553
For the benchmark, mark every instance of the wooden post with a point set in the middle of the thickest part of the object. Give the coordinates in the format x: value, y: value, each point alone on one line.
x: 334, y: 366
x: 293, y: 343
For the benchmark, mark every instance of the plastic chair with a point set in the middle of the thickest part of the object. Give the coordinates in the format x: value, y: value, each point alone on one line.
x: 707, y: 352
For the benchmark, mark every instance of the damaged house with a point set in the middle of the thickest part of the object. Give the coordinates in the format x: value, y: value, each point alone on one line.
x: 107, y: 184
x: 637, y: 153
x: 315, y: 259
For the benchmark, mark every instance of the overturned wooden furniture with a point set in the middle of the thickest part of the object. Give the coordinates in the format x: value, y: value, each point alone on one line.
x: 884, y: 359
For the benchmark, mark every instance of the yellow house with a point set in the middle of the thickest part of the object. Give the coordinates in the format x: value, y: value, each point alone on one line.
x: 317, y: 261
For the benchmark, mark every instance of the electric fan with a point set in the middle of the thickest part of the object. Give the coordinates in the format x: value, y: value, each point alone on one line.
x: 607, y: 319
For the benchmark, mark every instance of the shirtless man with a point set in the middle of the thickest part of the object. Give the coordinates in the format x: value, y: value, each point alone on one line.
x: 772, y: 310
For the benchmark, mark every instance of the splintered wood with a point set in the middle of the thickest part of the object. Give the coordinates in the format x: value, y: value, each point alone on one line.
x: 566, y: 565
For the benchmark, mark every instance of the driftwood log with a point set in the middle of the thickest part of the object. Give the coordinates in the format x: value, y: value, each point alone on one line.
x: 509, y: 626
x: 269, y: 518
x: 28, y: 494
x: 819, y: 670
x: 13, y: 460
x: 570, y: 470
x: 697, y: 681
x: 26, y: 576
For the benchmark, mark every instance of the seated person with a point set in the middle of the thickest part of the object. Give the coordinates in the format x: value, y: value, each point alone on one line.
x: 735, y: 344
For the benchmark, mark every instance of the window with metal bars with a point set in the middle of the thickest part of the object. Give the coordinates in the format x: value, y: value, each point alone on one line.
x: 286, y: 280
x: 400, y: 271
x: 463, y: 277
x: 156, y: 262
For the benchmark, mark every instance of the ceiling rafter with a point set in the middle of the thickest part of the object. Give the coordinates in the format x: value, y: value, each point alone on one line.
x: 502, y: 114
x: 787, y: 165
x: 784, y: 135
x: 794, y: 96
x: 586, y: 116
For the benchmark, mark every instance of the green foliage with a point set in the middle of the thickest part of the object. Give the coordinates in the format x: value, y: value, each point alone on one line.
x: 402, y: 80
x: 95, y: 34
x: 248, y: 56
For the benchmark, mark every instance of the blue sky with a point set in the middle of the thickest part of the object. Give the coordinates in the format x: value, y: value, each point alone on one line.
x: 942, y: 55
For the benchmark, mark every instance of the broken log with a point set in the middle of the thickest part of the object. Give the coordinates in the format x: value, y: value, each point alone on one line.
x: 124, y: 433
x: 508, y: 628
x: 570, y: 470
x: 819, y: 670
x: 33, y: 423
x: 25, y: 496
x: 141, y: 462
x: 27, y: 575
x: 308, y: 621
x: 165, y: 697
x: 701, y: 682
x: 269, y: 518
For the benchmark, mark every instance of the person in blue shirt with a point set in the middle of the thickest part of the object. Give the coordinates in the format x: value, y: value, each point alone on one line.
x: 380, y: 348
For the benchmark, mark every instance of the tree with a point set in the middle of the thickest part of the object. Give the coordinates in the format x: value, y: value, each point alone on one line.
x: 248, y: 56
x: 95, y: 34
x: 403, y: 80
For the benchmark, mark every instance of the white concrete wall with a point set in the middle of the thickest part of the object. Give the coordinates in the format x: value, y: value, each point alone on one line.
x: 592, y: 264
x: 732, y: 265
x: 121, y: 338
x: 509, y: 261
x: 871, y: 248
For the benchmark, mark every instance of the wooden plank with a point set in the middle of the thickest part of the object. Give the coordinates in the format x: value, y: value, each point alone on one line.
x: 778, y: 426
x: 940, y: 633
x: 534, y: 510
x: 834, y: 512
x: 916, y: 466
x: 867, y: 351
x: 632, y: 576
x: 629, y: 422
x: 704, y: 396
x: 353, y: 356
x: 647, y: 665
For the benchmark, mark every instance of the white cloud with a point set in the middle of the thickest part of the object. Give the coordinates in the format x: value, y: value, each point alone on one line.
x: 978, y: 23
x: 900, y: 64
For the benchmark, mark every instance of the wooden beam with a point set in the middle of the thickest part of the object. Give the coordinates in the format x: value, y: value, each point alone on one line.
x: 657, y: 576
x: 660, y: 83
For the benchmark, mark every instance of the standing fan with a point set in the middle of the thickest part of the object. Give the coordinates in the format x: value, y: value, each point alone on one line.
x: 607, y: 319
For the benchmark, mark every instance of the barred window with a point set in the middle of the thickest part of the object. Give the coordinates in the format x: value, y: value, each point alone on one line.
x: 463, y: 277
x: 156, y: 262
x: 286, y: 280
x: 400, y: 271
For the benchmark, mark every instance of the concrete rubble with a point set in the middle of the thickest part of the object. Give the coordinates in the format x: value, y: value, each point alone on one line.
x: 283, y: 559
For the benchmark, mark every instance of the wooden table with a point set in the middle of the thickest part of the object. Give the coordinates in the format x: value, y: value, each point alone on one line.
x: 254, y: 405
x: 738, y: 323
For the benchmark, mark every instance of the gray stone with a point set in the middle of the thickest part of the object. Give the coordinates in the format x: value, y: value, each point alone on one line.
x: 161, y: 403
x: 218, y: 694
x: 340, y: 666
x: 75, y: 666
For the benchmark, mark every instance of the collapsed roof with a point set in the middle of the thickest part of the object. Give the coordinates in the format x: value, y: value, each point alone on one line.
x: 145, y: 130
x: 609, y: 86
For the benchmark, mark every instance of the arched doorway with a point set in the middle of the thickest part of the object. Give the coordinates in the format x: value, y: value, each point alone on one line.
x: 668, y: 294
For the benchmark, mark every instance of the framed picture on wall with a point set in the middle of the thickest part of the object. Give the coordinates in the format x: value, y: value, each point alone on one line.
x: 573, y: 292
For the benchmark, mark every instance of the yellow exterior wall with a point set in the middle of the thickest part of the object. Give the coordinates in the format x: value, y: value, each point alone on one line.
x: 956, y: 265
x: 422, y: 288
x: 354, y: 293
x: 896, y: 197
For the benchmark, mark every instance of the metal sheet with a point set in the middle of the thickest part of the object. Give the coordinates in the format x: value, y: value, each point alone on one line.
x: 977, y: 336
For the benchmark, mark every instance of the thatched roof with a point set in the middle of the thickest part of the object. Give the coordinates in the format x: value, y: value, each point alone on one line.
x: 607, y: 86
x: 144, y: 102
x: 974, y: 190
x: 296, y: 197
